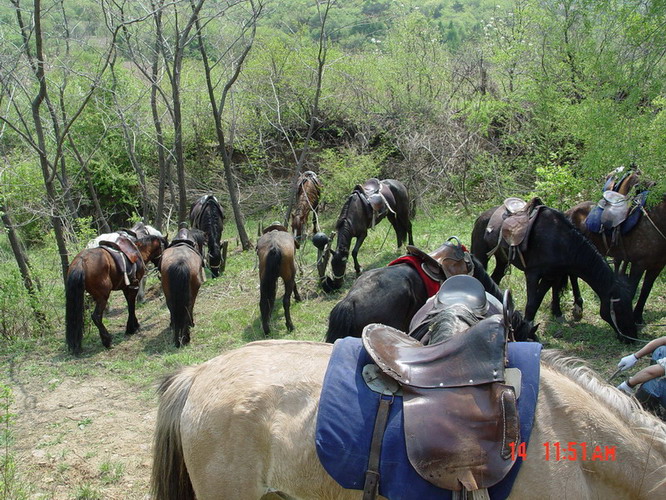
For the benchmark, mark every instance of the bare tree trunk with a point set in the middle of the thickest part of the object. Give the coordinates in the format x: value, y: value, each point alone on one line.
x: 218, y: 109
x: 314, y: 113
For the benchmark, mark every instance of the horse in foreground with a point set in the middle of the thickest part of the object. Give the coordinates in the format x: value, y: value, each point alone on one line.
x: 366, y: 206
x: 555, y: 249
x: 307, y: 200
x: 243, y: 424
x: 392, y: 295
x: 182, y: 273
x: 116, y: 265
x: 276, y: 250
x: 206, y: 214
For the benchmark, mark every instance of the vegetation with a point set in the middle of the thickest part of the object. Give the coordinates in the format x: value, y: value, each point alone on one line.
x: 112, y: 112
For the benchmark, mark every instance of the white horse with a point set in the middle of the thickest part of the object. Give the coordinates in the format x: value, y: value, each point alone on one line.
x: 242, y: 425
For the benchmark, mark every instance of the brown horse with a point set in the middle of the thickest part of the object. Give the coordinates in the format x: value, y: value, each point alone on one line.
x: 243, y: 424
x: 644, y: 247
x: 276, y: 250
x: 182, y: 273
x: 96, y: 271
x: 307, y: 200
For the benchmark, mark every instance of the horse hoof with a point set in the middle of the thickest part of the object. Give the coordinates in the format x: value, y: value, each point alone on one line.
x: 559, y: 319
x: 577, y: 313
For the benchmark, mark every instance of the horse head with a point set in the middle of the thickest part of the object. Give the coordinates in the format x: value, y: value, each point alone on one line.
x: 616, y: 310
x: 152, y: 247
x: 338, y: 265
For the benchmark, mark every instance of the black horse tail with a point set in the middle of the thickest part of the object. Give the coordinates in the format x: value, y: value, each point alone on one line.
x: 214, y: 234
x: 488, y: 284
x: 341, y: 321
x: 268, y: 285
x: 169, y: 479
x: 74, y: 288
x: 179, y: 288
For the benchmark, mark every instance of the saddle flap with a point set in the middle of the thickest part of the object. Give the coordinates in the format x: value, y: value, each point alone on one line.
x: 475, y: 356
x: 128, y: 247
x: 461, y: 436
x: 514, y: 229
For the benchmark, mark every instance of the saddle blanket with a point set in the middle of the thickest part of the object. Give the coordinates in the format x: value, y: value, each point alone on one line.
x: 346, y: 417
x: 432, y: 286
x: 593, y: 221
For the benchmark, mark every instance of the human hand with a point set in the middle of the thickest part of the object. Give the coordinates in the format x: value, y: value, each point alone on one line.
x: 627, y: 362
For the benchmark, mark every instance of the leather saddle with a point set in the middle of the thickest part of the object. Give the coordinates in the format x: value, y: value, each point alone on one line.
x: 309, y: 175
x: 615, y: 208
x: 184, y: 237
x: 126, y: 256
x: 450, y: 259
x: 460, y: 417
x: 198, y: 206
x: 513, y: 221
x: 378, y: 196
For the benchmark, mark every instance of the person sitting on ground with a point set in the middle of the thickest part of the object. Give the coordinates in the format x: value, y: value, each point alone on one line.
x: 652, y: 392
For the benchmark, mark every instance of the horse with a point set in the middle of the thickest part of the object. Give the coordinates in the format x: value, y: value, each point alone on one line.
x: 206, y: 214
x: 181, y: 274
x: 276, y: 249
x: 242, y: 425
x: 307, y: 200
x: 557, y: 249
x: 96, y: 271
x: 392, y: 295
x: 358, y: 215
x: 644, y: 247
x: 141, y: 230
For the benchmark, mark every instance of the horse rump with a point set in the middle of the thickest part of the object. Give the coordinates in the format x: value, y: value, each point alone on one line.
x: 269, y: 269
x: 74, y: 291
x: 170, y: 479
x: 341, y: 321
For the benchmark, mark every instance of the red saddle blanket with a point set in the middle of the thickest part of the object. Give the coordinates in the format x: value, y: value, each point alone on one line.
x: 432, y: 286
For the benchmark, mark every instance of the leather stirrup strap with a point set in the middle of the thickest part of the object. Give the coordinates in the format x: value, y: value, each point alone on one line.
x: 371, y: 486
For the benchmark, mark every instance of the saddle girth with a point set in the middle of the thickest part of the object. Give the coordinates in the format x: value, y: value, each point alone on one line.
x: 460, y: 418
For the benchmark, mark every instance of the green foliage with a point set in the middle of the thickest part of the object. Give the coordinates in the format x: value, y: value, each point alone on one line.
x: 11, y: 486
x: 340, y: 171
x: 555, y: 185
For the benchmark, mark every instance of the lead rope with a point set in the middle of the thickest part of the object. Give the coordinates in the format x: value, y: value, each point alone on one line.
x: 652, y: 222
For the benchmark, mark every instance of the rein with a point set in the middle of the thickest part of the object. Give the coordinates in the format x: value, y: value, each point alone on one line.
x: 652, y: 222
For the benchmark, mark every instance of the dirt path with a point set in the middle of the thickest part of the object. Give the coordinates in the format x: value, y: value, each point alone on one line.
x: 83, y: 440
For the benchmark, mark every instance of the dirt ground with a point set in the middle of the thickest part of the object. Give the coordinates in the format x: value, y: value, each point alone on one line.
x: 83, y: 440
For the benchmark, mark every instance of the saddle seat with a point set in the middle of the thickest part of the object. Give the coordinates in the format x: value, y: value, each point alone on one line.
x: 459, y: 416
x: 378, y: 196
x: 615, y: 208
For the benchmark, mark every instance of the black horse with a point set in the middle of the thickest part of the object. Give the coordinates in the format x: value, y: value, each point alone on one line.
x: 555, y: 250
x: 392, y: 295
x: 206, y: 214
x: 358, y: 215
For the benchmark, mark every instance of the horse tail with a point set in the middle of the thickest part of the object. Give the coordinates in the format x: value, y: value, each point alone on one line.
x: 341, y: 321
x: 170, y: 479
x: 214, y: 233
x: 179, y: 288
x: 74, y: 288
x: 268, y: 285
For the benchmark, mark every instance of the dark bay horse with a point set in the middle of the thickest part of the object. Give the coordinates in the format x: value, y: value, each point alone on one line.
x: 141, y: 230
x: 555, y: 250
x: 182, y: 273
x: 358, y: 215
x: 276, y: 249
x: 391, y: 295
x: 644, y: 247
x: 206, y: 214
x: 97, y: 271
x: 307, y: 200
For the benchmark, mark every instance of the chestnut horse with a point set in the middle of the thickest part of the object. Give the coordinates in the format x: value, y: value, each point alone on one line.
x: 95, y: 271
x: 243, y: 425
x: 307, y: 200
x: 276, y: 250
x: 182, y: 273
x: 644, y: 247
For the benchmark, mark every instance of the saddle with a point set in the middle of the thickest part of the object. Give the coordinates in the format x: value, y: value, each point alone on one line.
x: 198, y: 208
x: 309, y: 175
x: 184, y: 237
x: 126, y: 256
x: 514, y: 220
x: 275, y: 226
x: 378, y: 196
x: 460, y: 418
x: 450, y: 259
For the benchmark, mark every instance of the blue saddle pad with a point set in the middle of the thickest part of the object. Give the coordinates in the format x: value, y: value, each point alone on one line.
x: 346, y: 417
x: 593, y: 220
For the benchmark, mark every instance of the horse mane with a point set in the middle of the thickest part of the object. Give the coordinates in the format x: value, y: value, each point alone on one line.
x: 627, y: 408
x: 344, y: 212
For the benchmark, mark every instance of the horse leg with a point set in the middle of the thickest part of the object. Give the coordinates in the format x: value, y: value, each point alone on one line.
x: 501, y: 266
x: 132, y: 322
x: 357, y: 246
x: 648, y: 281
x: 577, y: 311
x: 97, y: 317
x: 558, y: 289
x: 289, y: 287
x: 536, y: 291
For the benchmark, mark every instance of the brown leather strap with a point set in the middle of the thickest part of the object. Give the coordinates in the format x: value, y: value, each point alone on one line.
x: 371, y: 486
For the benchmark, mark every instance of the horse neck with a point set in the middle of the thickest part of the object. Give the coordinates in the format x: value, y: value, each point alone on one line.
x: 594, y: 413
x: 591, y: 267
